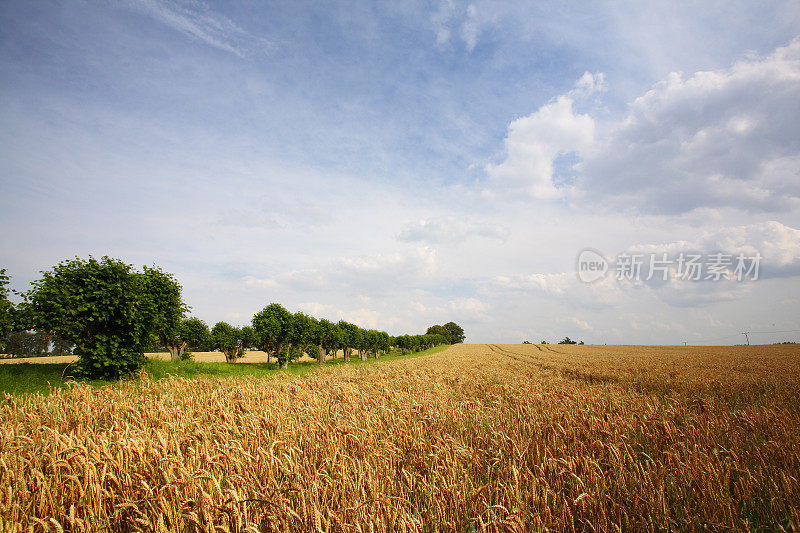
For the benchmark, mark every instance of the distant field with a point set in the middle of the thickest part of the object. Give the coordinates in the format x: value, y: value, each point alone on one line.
x: 483, y: 437
x: 254, y: 356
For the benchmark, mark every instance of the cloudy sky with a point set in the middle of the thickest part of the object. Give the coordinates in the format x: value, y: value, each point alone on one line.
x: 411, y: 163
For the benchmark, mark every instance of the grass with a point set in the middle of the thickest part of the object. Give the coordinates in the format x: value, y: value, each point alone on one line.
x: 19, y: 378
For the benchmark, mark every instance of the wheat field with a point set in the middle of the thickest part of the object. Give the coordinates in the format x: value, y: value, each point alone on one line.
x: 475, y: 438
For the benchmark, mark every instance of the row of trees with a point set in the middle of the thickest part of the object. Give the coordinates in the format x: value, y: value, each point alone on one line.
x: 286, y: 336
x: 113, y: 313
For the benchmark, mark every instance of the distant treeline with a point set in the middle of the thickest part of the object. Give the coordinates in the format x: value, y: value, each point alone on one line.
x: 110, y: 314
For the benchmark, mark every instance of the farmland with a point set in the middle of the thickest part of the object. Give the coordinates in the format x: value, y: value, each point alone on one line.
x: 483, y: 437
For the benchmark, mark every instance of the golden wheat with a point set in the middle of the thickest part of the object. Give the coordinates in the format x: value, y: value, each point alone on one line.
x: 495, y: 438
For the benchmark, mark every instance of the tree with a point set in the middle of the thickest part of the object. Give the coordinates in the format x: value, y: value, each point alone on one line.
x: 369, y: 340
x: 248, y: 337
x: 438, y: 330
x: 271, y: 325
x: 314, y: 334
x: 195, y: 333
x: 21, y: 343
x: 346, y: 338
x: 228, y: 340
x: 455, y: 333
x: 6, y: 307
x: 107, y: 309
x: 167, y: 310
x: 298, y: 334
x: 329, y: 337
x: 567, y: 340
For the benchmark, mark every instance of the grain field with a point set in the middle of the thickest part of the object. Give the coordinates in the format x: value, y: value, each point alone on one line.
x: 478, y: 437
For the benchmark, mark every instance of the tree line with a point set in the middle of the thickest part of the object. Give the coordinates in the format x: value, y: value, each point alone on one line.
x: 109, y: 314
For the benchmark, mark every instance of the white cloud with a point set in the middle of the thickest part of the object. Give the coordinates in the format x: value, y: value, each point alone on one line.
x: 589, y: 84
x: 777, y: 244
x: 458, y: 309
x: 724, y: 138
x: 450, y: 18
x: 533, y: 143
x: 716, y: 138
x: 450, y: 229
x: 364, y: 274
x: 197, y: 20
x: 470, y: 28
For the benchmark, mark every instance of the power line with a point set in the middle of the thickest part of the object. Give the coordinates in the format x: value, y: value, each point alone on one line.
x: 746, y: 334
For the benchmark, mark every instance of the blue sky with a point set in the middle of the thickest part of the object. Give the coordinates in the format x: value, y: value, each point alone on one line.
x: 403, y: 165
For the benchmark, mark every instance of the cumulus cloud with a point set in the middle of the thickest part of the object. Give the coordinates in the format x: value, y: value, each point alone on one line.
x: 718, y: 138
x: 451, y: 230
x: 778, y: 246
x: 532, y: 144
x: 724, y: 138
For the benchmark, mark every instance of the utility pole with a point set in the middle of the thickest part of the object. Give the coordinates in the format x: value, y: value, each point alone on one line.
x: 685, y: 343
x: 746, y: 336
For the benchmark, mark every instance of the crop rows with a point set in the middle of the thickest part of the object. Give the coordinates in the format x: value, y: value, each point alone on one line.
x: 490, y: 438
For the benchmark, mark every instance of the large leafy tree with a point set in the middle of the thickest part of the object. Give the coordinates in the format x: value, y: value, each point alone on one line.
x: 299, y: 332
x: 328, y: 339
x: 348, y: 338
x: 228, y: 340
x: 455, y: 333
x: 271, y: 325
x: 167, y: 310
x: 438, y: 330
x: 107, y: 309
x: 195, y: 333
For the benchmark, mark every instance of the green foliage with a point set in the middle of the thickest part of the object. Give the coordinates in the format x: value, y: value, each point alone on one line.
x: 166, y: 308
x: 567, y: 340
x: 6, y: 307
x: 330, y: 337
x: 301, y: 329
x: 108, y: 310
x: 248, y: 337
x: 451, y: 331
x: 438, y: 330
x: 195, y: 333
x: 455, y: 333
x: 26, y: 343
x: 271, y: 326
x: 228, y: 340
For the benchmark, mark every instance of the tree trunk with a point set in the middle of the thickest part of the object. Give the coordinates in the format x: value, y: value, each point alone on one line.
x: 173, y: 353
x: 321, y: 357
x: 285, y: 362
x: 346, y: 353
x: 176, y: 351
